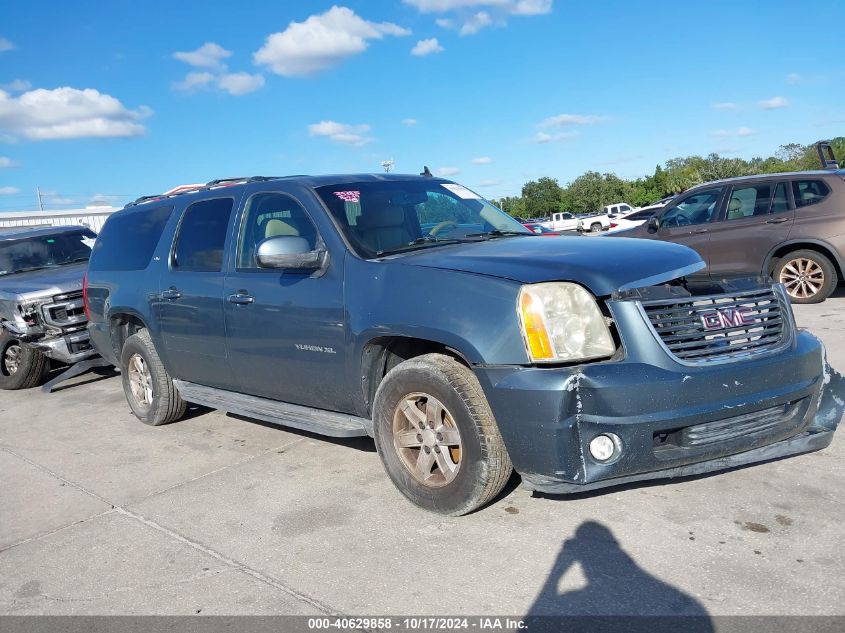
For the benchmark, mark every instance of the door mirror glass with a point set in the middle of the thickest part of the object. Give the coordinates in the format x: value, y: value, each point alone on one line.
x: 289, y: 252
x: 653, y: 224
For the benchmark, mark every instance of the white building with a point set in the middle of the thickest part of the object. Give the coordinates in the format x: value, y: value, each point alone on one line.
x: 93, y: 217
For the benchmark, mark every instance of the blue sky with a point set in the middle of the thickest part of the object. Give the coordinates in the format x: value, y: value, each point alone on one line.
x: 126, y: 98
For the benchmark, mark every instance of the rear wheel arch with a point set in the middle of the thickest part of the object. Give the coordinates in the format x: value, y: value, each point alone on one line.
x: 122, y: 325
x: 823, y: 248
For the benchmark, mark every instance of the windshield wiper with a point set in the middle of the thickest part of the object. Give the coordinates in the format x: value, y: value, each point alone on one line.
x: 31, y: 268
x: 498, y: 233
x: 427, y: 239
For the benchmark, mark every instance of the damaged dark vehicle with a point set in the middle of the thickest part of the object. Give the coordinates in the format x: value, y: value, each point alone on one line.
x: 42, y: 321
x: 412, y: 310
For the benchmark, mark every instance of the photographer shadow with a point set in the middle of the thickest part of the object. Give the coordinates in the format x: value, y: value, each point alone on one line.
x: 618, y: 594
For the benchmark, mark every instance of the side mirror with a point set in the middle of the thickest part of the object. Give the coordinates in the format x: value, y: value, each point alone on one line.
x: 653, y: 224
x: 289, y: 252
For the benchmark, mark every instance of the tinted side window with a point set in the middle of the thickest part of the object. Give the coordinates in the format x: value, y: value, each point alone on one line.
x: 202, y: 234
x: 746, y: 202
x: 129, y: 238
x: 780, y: 202
x: 695, y: 208
x: 809, y: 192
x: 272, y: 215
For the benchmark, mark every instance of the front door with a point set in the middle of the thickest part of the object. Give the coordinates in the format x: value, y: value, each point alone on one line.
x: 757, y: 217
x: 286, y: 329
x: 190, y: 301
x: 689, y: 221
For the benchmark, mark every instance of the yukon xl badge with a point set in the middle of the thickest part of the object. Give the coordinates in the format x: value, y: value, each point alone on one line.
x: 315, y: 348
x: 729, y: 317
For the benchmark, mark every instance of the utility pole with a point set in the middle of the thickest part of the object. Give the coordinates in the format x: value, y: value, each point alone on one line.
x: 40, y: 202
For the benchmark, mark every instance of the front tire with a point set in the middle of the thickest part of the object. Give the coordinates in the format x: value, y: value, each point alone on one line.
x: 148, y: 387
x: 809, y: 276
x: 436, y: 436
x: 21, y: 367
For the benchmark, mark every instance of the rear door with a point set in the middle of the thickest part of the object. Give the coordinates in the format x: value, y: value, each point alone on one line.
x: 689, y: 220
x: 757, y: 217
x: 190, y: 297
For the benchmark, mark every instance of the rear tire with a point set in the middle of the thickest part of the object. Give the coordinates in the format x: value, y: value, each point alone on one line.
x: 148, y: 387
x: 21, y: 367
x: 595, y: 227
x: 436, y: 436
x: 809, y: 276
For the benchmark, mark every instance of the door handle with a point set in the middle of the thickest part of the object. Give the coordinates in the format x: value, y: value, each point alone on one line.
x: 777, y: 221
x: 699, y: 231
x: 241, y: 299
x: 171, y: 293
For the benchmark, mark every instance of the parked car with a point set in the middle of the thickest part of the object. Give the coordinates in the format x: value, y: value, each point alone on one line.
x: 41, y: 311
x: 319, y: 303
x: 616, y: 209
x: 594, y: 223
x: 790, y: 226
x: 539, y: 229
x: 563, y: 221
x: 632, y: 219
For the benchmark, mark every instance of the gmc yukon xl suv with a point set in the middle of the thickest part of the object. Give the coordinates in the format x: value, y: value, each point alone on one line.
x: 410, y: 309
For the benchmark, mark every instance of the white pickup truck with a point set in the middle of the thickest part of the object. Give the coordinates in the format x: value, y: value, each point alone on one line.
x: 602, y: 221
x: 563, y: 221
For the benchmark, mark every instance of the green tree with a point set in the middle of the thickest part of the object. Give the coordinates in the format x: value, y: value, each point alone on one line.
x: 542, y: 197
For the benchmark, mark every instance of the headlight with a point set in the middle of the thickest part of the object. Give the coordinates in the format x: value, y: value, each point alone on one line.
x: 561, y: 322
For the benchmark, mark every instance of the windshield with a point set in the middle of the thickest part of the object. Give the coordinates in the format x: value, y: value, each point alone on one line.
x: 44, y: 251
x: 389, y: 216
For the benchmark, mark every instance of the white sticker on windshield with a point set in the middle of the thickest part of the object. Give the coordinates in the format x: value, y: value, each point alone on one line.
x: 461, y: 191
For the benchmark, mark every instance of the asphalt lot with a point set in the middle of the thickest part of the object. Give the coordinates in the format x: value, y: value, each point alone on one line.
x: 100, y: 514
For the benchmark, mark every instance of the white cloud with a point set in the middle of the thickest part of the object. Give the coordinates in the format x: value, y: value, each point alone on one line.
x: 544, y: 137
x: 447, y: 171
x: 9, y: 191
x: 725, y: 105
x: 6, y: 162
x: 409, y: 121
x: 17, y: 85
x: 489, y: 183
x: 64, y: 113
x: 471, y: 16
x: 571, y: 119
x: 427, y: 47
x: 240, y: 83
x: 741, y: 131
x: 321, y: 42
x: 209, y: 55
x: 193, y: 81
x: 475, y: 23
x: 341, y: 132
x: 514, y: 7
x: 774, y: 103
x: 793, y: 78
x: 6, y: 45
x: 482, y: 160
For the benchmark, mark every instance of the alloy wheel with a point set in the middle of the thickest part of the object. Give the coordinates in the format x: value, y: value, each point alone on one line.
x: 12, y: 359
x: 140, y: 380
x: 802, y: 277
x: 427, y: 439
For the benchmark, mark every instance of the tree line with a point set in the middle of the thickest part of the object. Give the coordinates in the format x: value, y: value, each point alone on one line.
x: 593, y: 190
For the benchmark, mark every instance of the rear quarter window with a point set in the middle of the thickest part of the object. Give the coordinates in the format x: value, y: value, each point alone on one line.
x: 128, y: 240
x: 808, y: 192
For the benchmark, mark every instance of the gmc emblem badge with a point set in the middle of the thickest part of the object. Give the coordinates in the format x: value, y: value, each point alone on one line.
x: 729, y: 317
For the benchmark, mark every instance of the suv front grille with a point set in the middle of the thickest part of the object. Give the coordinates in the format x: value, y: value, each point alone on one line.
x: 721, y: 328
x: 66, y: 310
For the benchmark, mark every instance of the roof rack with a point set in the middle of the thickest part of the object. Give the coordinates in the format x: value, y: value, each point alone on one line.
x: 220, y: 182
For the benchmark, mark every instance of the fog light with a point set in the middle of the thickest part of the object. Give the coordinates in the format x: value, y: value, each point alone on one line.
x: 605, y: 447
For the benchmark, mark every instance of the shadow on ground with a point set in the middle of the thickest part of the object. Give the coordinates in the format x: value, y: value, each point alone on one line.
x: 595, y: 581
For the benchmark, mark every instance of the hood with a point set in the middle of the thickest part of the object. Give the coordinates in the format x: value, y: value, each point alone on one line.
x: 43, y: 283
x: 602, y: 265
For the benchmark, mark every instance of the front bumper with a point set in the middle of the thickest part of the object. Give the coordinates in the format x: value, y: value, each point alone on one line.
x: 672, y: 420
x: 68, y: 348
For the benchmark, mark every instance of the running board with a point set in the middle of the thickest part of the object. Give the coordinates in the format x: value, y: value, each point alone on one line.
x: 293, y: 415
